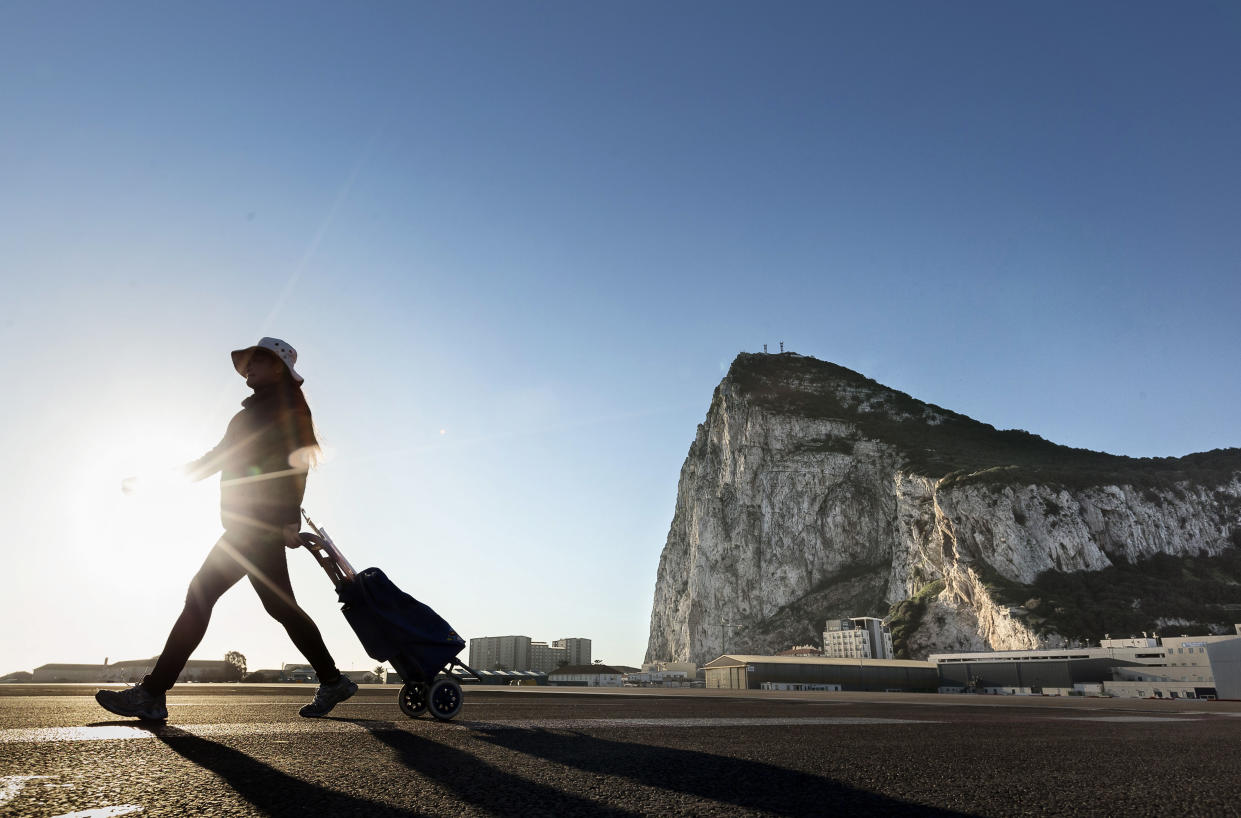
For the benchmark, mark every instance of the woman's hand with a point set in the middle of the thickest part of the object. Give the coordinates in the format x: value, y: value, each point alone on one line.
x: 304, y: 459
x: 292, y: 537
x: 159, y: 481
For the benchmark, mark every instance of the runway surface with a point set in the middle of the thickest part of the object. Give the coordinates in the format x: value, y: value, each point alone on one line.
x: 242, y: 750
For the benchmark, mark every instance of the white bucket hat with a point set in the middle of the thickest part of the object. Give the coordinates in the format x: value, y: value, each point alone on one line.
x: 275, y: 346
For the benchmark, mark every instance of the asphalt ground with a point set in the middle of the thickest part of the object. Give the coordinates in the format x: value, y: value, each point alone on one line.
x: 242, y: 750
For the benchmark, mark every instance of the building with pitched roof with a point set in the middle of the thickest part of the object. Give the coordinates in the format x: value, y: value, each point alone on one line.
x: 586, y: 676
x: 751, y: 672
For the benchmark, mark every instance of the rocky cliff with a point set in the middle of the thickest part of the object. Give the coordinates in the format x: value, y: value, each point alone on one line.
x: 812, y: 492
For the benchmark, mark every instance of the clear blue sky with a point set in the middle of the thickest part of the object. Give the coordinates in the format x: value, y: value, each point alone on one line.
x: 517, y: 245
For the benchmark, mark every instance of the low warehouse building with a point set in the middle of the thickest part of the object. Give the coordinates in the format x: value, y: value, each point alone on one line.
x: 511, y: 678
x: 1021, y: 670
x: 132, y: 670
x: 1172, y: 667
x: 586, y: 676
x: 746, y: 672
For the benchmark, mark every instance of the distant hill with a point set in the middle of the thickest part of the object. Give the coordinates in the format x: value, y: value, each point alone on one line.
x: 811, y: 491
x: 938, y: 442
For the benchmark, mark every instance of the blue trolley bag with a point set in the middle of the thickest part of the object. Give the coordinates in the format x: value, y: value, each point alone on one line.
x: 392, y: 624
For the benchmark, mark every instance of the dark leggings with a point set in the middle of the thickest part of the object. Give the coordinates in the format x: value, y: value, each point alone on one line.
x: 259, y: 556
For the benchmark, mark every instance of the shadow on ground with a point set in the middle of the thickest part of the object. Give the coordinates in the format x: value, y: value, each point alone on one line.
x: 480, y: 784
x: 742, y: 783
x: 268, y: 789
x: 672, y: 774
x: 750, y: 785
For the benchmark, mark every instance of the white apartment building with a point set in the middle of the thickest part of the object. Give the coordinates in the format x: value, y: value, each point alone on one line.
x: 860, y: 637
x: 520, y: 653
x: 500, y: 653
x: 577, y: 650
x: 545, y: 658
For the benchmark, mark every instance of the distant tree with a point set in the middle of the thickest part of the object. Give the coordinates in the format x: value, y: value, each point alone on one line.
x: 238, y: 663
x: 380, y: 676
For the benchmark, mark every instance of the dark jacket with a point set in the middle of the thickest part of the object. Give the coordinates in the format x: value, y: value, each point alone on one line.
x: 258, y: 487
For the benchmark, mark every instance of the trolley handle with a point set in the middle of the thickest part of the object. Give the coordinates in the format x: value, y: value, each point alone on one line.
x: 312, y: 541
x: 325, y: 552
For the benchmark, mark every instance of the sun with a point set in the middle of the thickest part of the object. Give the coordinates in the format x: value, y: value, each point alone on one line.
x: 138, y: 536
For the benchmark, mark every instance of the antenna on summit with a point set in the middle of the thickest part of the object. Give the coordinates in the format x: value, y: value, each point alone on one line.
x: 764, y: 349
x: 781, y: 346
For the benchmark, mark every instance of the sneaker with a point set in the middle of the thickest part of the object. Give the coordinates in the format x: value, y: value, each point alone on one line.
x: 134, y: 701
x: 328, y: 696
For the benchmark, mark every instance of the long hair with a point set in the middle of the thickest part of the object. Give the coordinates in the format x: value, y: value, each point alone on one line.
x: 299, y: 423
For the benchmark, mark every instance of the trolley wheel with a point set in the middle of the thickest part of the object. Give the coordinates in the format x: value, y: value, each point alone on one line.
x: 413, y: 699
x: 445, y: 699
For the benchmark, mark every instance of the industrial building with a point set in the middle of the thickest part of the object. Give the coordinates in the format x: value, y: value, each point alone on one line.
x: 133, y: 670
x: 687, y: 669
x: 1192, y: 667
x: 1025, y: 671
x: 586, y: 676
x: 746, y: 672
x: 663, y: 674
x: 489, y: 677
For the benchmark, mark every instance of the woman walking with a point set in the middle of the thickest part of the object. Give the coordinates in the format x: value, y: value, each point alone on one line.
x: 263, y: 459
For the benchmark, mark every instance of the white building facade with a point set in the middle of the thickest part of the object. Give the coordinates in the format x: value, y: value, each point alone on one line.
x: 500, y: 653
x: 587, y: 676
x: 1189, y: 667
x: 860, y: 637
x: 577, y: 649
x: 520, y: 653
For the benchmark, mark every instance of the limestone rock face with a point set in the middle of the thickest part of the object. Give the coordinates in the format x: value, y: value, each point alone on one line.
x: 807, y: 494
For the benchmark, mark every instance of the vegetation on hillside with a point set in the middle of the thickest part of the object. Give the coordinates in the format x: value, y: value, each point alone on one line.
x: 1203, y: 593
x: 939, y: 443
x: 906, y: 616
